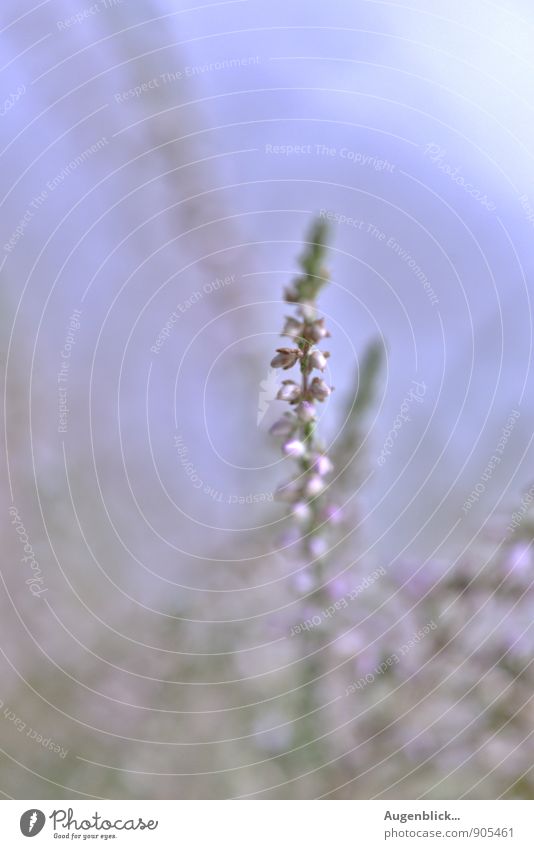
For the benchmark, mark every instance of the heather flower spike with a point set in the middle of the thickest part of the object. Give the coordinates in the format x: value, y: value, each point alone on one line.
x: 305, y: 491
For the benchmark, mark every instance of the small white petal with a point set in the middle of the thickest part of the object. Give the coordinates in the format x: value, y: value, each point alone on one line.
x: 301, y: 511
x: 319, y: 389
x: 323, y: 465
x: 283, y: 427
x: 306, y: 412
x: 294, y: 448
x: 314, y: 485
x: 318, y: 360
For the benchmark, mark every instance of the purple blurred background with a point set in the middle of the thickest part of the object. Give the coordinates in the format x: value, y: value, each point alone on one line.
x: 160, y: 168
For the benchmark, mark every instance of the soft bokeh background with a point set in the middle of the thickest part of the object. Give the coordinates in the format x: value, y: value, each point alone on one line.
x: 162, y: 157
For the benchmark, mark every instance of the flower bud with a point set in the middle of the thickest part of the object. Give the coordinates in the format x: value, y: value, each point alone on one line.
x: 308, y: 311
x: 293, y: 328
x: 301, y: 511
x: 338, y: 587
x: 348, y: 644
x: 291, y: 294
x: 284, y: 426
x: 319, y: 389
x: 317, y: 359
x: 317, y: 330
x: 314, y: 486
x: 322, y: 465
x: 294, y: 448
x: 317, y: 546
x: 303, y: 581
x: 285, y: 358
x: 332, y: 514
x: 289, y: 391
x: 306, y: 412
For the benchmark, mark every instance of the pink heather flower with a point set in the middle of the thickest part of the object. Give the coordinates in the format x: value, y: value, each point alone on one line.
x: 284, y: 426
x: 317, y: 546
x: 292, y: 328
x: 323, y: 465
x: 337, y: 588
x: 518, y: 560
x: 303, y: 581
x: 319, y: 389
x: 307, y: 311
x: 318, y: 331
x: 348, y: 644
x: 306, y: 412
x: 291, y: 294
x: 301, y: 511
x: 294, y: 448
x: 318, y: 359
x: 289, y: 391
x: 314, y: 486
x: 285, y: 358
x: 332, y: 514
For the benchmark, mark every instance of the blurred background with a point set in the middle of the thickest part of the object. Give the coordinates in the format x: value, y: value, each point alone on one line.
x: 161, y: 165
